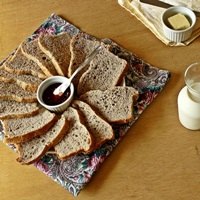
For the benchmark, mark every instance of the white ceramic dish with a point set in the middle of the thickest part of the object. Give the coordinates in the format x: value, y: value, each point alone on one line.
x: 178, y: 35
x: 45, y: 84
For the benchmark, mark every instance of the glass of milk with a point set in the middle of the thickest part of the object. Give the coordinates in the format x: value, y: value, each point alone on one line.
x: 189, y: 98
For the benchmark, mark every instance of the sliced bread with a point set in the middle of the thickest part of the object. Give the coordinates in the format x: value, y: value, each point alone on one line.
x: 57, y: 48
x: 11, y: 91
x: 32, y: 51
x: 27, y: 82
x: 80, y: 47
x: 20, y: 64
x: 115, y: 105
x: 77, y: 140
x: 97, y: 126
x: 106, y: 70
x: 34, y: 149
x: 24, y: 129
x: 14, y: 109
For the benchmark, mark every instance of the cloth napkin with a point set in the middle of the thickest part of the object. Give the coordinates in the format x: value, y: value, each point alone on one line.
x: 75, y: 172
x: 150, y: 16
x: 192, y: 4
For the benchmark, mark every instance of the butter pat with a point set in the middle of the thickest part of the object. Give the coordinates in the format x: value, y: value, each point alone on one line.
x: 179, y: 22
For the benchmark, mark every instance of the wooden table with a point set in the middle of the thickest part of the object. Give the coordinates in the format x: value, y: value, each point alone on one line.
x: 158, y: 159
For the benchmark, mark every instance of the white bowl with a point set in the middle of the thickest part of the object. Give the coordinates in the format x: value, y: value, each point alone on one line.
x: 45, y: 84
x: 178, y: 35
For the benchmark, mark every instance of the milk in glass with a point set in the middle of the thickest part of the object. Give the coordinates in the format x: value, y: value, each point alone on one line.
x: 189, y: 98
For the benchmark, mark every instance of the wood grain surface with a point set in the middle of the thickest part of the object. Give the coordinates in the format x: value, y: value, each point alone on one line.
x: 158, y: 159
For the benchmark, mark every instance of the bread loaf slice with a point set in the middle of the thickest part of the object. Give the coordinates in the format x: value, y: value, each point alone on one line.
x: 24, y: 129
x: 115, y: 105
x: 35, y: 148
x: 78, y: 139
x: 32, y: 51
x: 80, y: 47
x: 97, y: 126
x: 106, y: 70
x: 27, y: 82
x: 11, y: 91
x: 20, y: 64
x: 56, y: 47
x: 14, y: 109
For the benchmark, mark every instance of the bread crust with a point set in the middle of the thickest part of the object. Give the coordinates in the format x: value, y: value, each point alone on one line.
x: 46, y: 147
x: 32, y: 87
x: 102, y: 74
x: 36, y: 71
x: 17, y: 115
x: 89, y: 99
x: 81, y: 150
x: 60, y: 62
x: 30, y: 135
x: 97, y: 142
x: 45, y: 64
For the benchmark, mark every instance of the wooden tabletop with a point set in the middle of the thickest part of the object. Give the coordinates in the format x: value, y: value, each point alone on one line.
x: 158, y: 159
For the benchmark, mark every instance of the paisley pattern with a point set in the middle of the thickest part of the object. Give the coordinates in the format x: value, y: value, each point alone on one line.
x: 76, y: 172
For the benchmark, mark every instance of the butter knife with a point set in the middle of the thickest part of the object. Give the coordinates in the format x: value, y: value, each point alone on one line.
x: 163, y: 5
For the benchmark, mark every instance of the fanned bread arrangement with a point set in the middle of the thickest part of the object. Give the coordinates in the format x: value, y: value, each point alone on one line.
x: 20, y: 64
x: 105, y: 71
x: 35, y: 148
x: 115, y: 105
x: 99, y: 103
x: 58, y: 49
x: 100, y: 129
x: 78, y: 139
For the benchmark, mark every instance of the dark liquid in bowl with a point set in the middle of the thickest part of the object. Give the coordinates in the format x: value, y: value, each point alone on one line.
x: 50, y: 99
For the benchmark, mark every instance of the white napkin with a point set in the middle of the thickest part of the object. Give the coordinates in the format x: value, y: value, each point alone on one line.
x: 150, y: 16
x: 192, y: 4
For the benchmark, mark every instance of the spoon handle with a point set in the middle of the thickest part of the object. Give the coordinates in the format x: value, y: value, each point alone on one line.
x: 86, y: 62
x: 61, y: 89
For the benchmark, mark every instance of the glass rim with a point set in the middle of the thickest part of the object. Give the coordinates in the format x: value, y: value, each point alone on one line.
x: 185, y: 75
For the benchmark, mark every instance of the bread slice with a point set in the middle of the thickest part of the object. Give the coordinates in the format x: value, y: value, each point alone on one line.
x: 56, y: 47
x: 11, y: 91
x: 80, y: 47
x: 13, y: 109
x: 24, y: 129
x: 32, y: 51
x: 78, y: 139
x: 106, y: 70
x: 27, y: 82
x: 115, y: 105
x: 34, y: 149
x: 97, y: 126
x: 20, y: 64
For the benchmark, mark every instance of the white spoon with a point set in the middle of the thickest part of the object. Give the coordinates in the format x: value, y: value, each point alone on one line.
x: 63, y: 87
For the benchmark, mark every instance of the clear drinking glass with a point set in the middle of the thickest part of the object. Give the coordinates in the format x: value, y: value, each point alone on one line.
x: 192, y: 81
x: 189, y: 98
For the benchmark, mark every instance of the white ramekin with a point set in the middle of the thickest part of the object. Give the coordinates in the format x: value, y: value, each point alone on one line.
x: 49, y: 81
x: 178, y: 35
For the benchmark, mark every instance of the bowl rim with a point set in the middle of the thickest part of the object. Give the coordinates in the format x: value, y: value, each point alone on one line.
x: 177, y: 9
x: 48, y: 82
